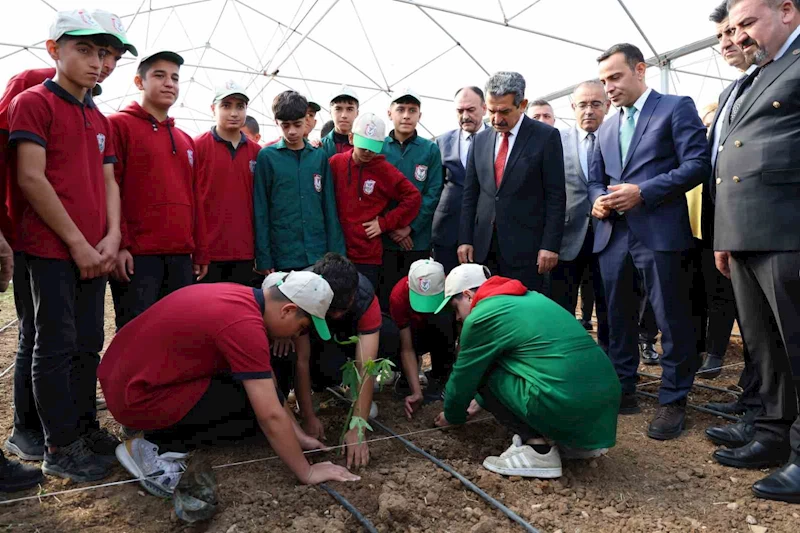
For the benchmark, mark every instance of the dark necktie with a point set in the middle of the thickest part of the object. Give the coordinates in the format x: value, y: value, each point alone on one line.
x: 744, y: 88
x: 589, y: 153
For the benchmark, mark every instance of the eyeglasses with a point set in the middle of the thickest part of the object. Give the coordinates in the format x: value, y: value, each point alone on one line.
x: 594, y: 105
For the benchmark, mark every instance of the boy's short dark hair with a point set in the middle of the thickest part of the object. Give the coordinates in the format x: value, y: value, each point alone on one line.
x: 341, y: 275
x: 289, y: 106
x: 276, y: 295
x: 345, y: 100
x: 406, y: 100
x: 326, y: 128
x: 252, y: 124
x: 145, y: 66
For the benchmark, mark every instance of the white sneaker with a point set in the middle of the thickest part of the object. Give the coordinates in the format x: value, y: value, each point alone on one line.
x: 373, y: 410
x: 158, y: 474
x: 522, y: 460
x: 580, y: 453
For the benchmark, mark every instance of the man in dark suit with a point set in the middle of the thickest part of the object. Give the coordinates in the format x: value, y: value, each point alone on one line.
x: 454, y: 146
x: 645, y: 160
x: 512, y: 215
x: 590, y: 105
x: 757, y: 231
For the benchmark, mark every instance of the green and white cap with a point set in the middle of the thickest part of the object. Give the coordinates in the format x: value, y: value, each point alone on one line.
x: 308, y: 291
x: 462, y: 278
x: 77, y: 22
x: 230, y: 88
x: 345, y: 90
x: 426, y: 285
x: 369, y: 131
x: 312, y: 104
x: 408, y: 93
x: 160, y: 53
x: 113, y: 24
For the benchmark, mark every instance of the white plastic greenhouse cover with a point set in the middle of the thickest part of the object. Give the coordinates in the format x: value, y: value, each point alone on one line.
x: 383, y: 46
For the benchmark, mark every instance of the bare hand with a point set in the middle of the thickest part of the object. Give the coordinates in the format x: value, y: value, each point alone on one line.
x: 723, y: 262
x: 406, y: 244
x: 599, y: 209
x: 473, y: 409
x: 124, y: 266
x: 108, y: 249
x: 89, y: 260
x: 282, y: 347
x: 266, y: 272
x: 316, y: 143
x: 327, y: 471
x: 412, y: 403
x: 314, y: 428
x: 357, y: 453
x: 200, y: 271
x: 465, y: 253
x: 441, y: 421
x: 6, y: 264
x: 547, y: 261
x: 307, y: 442
x: 372, y: 228
x: 400, y: 234
x: 623, y: 197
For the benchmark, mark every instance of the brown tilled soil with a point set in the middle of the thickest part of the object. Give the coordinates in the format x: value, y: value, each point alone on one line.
x: 642, y: 485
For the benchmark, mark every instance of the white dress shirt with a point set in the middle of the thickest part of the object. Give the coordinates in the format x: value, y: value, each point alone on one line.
x: 723, y: 113
x: 498, y: 139
x: 465, y: 141
x: 638, y: 104
x: 584, y: 144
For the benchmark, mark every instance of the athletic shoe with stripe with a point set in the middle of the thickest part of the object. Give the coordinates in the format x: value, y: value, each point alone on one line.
x: 158, y: 474
x: 522, y: 460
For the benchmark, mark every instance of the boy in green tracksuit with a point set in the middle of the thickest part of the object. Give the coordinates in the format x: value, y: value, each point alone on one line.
x: 344, y: 110
x: 421, y: 163
x: 293, y: 197
x: 533, y: 366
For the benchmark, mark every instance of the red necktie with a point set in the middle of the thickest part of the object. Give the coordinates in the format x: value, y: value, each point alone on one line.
x: 500, y: 160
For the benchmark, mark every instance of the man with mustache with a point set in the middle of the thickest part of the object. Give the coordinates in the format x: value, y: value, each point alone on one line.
x: 512, y: 215
x: 756, y: 239
x: 454, y: 145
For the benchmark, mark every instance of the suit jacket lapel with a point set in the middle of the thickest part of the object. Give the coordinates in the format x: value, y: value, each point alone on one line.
x: 451, y: 147
x: 641, y: 124
x: 723, y: 99
x: 576, y: 153
x: 484, y: 156
x: 519, y: 146
x: 615, y: 157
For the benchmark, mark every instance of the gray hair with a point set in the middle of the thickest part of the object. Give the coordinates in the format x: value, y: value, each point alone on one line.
x: 590, y: 83
x: 503, y: 83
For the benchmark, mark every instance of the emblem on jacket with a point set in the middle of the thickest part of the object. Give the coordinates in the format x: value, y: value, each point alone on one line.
x: 101, y: 142
x: 369, y: 186
x: 317, y: 182
x: 190, y: 155
x: 424, y: 285
x: 252, y: 166
x: 421, y: 173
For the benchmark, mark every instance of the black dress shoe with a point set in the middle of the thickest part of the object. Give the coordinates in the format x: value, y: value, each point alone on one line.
x: 712, y: 367
x: 782, y: 485
x: 629, y: 404
x: 587, y: 324
x: 754, y: 454
x: 668, y: 422
x: 729, y: 408
x: 648, y: 353
x: 733, y: 436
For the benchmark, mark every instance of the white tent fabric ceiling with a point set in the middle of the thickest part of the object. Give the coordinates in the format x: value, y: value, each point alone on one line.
x: 380, y: 47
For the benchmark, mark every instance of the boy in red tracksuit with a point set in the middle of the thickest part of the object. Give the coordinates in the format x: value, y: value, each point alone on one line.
x: 365, y: 185
x: 163, y: 229
x: 226, y: 161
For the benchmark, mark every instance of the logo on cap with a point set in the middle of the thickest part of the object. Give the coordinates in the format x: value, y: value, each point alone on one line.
x: 317, y: 183
x: 369, y: 186
x: 369, y: 131
x: 86, y: 18
x: 230, y: 84
x: 424, y: 284
x: 117, y: 24
x: 101, y: 142
x: 190, y: 155
x: 421, y: 173
x: 252, y: 166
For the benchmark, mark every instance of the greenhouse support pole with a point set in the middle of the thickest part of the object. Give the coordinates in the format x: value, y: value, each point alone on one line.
x: 665, y: 68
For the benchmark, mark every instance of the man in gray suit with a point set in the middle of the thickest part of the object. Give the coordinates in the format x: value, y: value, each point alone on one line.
x: 590, y: 104
x: 757, y: 231
x: 454, y: 146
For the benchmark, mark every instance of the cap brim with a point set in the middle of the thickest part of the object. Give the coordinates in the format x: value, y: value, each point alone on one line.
x: 425, y: 303
x: 223, y: 96
x: 169, y: 56
x: 411, y: 96
x: 116, y: 41
x: 443, y: 304
x: 344, y: 95
x: 322, y: 328
x: 315, y: 106
x: 367, y: 144
x: 132, y: 49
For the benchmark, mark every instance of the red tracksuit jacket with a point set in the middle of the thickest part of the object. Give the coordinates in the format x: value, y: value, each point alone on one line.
x: 364, y: 192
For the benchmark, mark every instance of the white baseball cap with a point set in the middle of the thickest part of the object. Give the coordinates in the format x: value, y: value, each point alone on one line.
x: 163, y: 54
x: 345, y: 90
x: 229, y: 89
x: 77, y: 22
x: 369, y: 131
x: 426, y: 285
x: 408, y: 93
x: 462, y: 278
x: 112, y: 24
x: 312, y: 104
x: 309, y: 291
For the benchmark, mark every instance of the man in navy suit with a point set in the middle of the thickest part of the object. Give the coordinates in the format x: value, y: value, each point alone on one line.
x: 646, y: 159
x: 454, y: 146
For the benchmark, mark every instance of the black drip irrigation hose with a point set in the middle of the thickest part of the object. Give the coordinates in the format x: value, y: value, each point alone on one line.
x: 695, y: 384
x: 350, y: 508
x: 447, y: 468
x: 705, y: 410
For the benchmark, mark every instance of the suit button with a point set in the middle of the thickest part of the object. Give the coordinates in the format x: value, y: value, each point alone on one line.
x: 738, y: 144
x: 776, y: 104
x: 736, y: 179
x: 720, y: 148
x: 719, y: 180
x: 496, y: 198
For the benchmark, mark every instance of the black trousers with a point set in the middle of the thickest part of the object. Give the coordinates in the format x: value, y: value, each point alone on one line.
x: 155, y: 276
x: 372, y: 273
x: 527, y: 274
x: 587, y: 295
x: 26, y: 418
x: 447, y: 256
x: 767, y: 290
x: 395, y: 265
x: 240, y: 272
x: 222, y: 413
x: 505, y: 417
x: 68, y: 321
x: 436, y: 337
x: 648, y: 329
x: 566, y: 279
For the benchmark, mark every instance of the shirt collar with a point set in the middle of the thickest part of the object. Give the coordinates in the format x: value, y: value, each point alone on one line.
x: 62, y: 93
x: 410, y: 140
x: 242, y: 139
x: 281, y: 145
x: 750, y: 69
x: 582, y: 134
x: 639, y: 104
x: 465, y: 134
x: 792, y: 38
x: 515, y: 130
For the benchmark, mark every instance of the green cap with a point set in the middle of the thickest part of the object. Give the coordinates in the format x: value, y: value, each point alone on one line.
x: 369, y: 131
